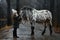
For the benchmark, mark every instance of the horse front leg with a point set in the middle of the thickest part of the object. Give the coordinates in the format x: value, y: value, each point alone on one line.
x: 32, y: 28
x: 44, y: 29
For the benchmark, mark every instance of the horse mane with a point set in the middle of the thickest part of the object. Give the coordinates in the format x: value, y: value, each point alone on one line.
x: 26, y: 8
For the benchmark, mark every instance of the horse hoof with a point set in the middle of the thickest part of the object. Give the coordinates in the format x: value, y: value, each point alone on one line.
x: 42, y: 34
x: 50, y: 34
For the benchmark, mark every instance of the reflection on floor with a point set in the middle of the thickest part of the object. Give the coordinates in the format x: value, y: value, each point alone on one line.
x: 24, y: 31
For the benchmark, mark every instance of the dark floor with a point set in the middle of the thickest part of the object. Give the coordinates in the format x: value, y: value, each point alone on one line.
x: 24, y: 31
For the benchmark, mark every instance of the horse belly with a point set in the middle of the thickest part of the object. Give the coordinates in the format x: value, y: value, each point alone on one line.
x: 39, y: 21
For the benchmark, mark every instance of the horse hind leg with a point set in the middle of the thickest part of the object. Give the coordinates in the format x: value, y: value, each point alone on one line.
x: 50, y: 28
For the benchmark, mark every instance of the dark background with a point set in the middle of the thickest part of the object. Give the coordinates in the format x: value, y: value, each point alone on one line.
x: 52, y: 5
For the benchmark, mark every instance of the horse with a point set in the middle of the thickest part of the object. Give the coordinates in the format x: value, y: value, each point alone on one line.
x: 37, y: 16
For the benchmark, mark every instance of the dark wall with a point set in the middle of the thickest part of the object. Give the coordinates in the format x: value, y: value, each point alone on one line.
x: 3, y: 13
x: 38, y: 4
x: 52, y: 5
x: 3, y: 9
x: 13, y: 3
x: 58, y: 11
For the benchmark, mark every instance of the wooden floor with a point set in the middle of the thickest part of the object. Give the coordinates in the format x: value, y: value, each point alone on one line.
x: 5, y: 28
x: 24, y: 33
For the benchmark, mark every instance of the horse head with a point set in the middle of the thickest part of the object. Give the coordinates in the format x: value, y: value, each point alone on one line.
x: 14, y: 12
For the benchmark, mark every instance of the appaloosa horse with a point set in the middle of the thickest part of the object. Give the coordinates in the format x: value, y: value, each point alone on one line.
x: 37, y: 16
